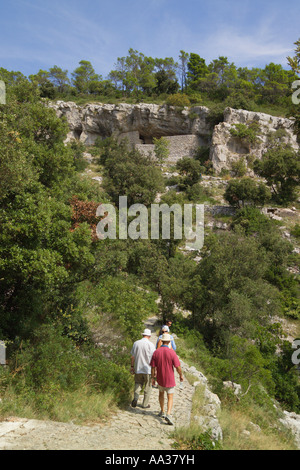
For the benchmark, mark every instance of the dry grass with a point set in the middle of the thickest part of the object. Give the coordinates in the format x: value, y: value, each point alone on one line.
x: 239, y: 433
x: 81, y: 407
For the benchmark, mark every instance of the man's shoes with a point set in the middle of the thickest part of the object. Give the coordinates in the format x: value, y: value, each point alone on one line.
x: 134, y: 403
x: 169, y: 420
x: 146, y: 407
x: 162, y: 414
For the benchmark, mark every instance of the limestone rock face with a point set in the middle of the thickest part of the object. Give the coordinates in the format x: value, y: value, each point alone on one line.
x: 186, y: 129
x: 225, y: 148
x: 139, y: 123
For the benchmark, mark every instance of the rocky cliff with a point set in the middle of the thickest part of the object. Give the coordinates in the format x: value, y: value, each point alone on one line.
x: 140, y: 123
x: 267, y: 131
x: 186, y: 129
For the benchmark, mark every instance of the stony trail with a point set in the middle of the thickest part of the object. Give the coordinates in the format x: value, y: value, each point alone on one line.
x: 130, y: 429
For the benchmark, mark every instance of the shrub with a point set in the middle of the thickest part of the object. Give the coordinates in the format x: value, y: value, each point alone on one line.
x: 190, y: 170
x: 50, y: 369
x: 78, y: 148
x: 252, y: 221
x: 195, y: 97
x: 239, y: 167
x: 295, y: 232
x: 248, y: 134
x: 281, y: 168
x: 246, y: 190
x: 178, y: 99
x: 216, y: 114
x: 239, y: 100
x: 202, y: 155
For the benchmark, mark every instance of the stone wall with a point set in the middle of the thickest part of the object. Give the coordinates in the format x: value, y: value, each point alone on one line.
x: 179, y: 146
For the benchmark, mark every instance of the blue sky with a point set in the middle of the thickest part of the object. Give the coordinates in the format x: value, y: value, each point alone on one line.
x: 37, y: 34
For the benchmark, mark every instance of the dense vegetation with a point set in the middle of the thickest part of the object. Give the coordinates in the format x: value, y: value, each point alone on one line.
x: 60, y: 287
x: 188, y: 80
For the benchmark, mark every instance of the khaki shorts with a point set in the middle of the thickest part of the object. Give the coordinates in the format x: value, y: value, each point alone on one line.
x: 169, y: 391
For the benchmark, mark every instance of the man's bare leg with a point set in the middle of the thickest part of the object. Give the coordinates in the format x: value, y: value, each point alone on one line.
x: 162, y: 401
x: 170, y: 403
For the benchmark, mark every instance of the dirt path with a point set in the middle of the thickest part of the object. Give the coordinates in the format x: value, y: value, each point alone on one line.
x: 131, y: 429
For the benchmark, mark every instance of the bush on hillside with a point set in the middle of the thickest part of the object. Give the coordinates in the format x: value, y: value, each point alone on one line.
x: 178, y: 99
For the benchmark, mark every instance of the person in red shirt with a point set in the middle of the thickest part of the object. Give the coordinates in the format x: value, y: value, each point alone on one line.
x: 163, y: 362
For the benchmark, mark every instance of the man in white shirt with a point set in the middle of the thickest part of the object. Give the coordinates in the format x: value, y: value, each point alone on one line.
x: 141, y: 355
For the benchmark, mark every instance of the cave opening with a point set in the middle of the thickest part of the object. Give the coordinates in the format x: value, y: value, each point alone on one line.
x: 146, y: 139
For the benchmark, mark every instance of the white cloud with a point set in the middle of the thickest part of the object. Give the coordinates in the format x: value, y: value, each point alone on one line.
x: 250, y: 44
x: 245, y: 48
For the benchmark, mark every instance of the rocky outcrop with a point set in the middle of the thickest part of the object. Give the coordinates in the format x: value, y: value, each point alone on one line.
x: 186, y: 129
x: 292, y: 422
x: 139, y: 123
x: 211, y: 407
x: 226, y: 148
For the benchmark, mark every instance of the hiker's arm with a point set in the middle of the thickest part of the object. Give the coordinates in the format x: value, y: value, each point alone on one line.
x: 159, y: 344
x: 179, y: 370
x: 153, y: 375
x: 132, y: 364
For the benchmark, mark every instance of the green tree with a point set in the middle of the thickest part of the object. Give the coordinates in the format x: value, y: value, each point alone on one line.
x: 164, y: 84
x: 218, y: 79
x: 161, y: 149
x: 84, y: 75
x: 59, y: 78
x: 294, y: 62
x: 276, y: 83
x: 190, y: 169
x: 128, y: 173
x: 182, y: 68
x: 41, y: 77
x: 281, y: 168
x: 118, y: 76
x: 197, y: 70
x: 133, y: 63
x: 11, y: 78
x: 246, y: 365
x: 41, y: 254
x: 147, y: 79
x: 168, y: 65
x: 229, y: 288
x: 160, y: 267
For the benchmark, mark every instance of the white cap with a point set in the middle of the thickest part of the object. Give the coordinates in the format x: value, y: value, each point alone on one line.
x: 147, y: 332
x: 166, y: 337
